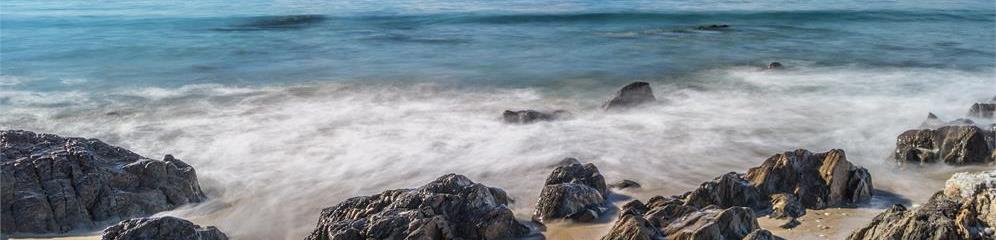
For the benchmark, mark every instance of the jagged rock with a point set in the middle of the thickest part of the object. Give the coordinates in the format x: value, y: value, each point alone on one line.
x: 775, y: 66
x: 726, y: 191
x: 966, y: 209
x: 624, y: 184
x: 631, y: 226
x: 572, y: 191
x: 531, y: 116
x: 786, y: 205
x: 710, y: 223
x: 631, y: 95
x: 450, y: 207
x: 982, y: 110
x: 55, y: 184
x: 932, y: 121
x: 761, y: 234
x: 820, y: 180
x: 161, y: 228
x: 955, y: 145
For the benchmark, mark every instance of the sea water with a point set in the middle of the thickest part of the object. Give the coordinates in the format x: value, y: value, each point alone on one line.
x: 287, y: 107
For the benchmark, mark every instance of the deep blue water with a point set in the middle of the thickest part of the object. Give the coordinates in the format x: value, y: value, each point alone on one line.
x: 119, y: 44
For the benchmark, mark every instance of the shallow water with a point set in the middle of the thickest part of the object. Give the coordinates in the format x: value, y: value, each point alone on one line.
x: 286, y: 109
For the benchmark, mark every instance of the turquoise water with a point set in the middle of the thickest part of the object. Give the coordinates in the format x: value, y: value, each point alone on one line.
x: 287, y: 107
x: 117, y: 44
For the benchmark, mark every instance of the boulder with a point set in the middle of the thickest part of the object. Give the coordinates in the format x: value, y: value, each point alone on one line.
x: 820, y: 180
x: 713, y: 223
x: 624, y: 184
x: 982, y: 110
x: 161, y: 228
x: 954, y: 145
x: 728, y: 190
x: 450, y: 207
x: 54, y: 184
x: 761, y: 234
x: 786, y: 205
x: 631, y: 95
x: 531, y: 116
x: 572, y: 191
x: 966, y: 209
x: 632, y: 226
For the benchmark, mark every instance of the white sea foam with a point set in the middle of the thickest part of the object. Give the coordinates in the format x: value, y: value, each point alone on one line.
x: 272, y: 157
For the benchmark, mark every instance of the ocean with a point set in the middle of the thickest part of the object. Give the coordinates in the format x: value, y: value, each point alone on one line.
x: 287, y: 107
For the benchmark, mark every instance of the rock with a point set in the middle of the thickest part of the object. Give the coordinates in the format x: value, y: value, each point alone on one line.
x: 53, y: 184
x: 954, y: 145
x: 982, y: 110
x: 964, y: 210
x: 450, y: 207
x: 161, y: 228
x: 631, y: 226
x: 726, y: 191
x: 631, y: 95
x: 713, y: 27
x: 761, y: 234
x: 572, y: 191
x: 531, y: 116
x: 730, y: 223
x: 624, y: 184
x: 775, y: 66
x: 786, y: 205
x: 820, y: 180
x: 932, y: 121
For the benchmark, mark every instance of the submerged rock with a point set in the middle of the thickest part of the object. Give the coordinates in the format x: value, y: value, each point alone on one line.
x: 954, y: 145
x: 624, y: 184
x: 982, y: 110
x: 965, y: 210
x: 713, y: 27
x: 820, y: 180
x: 161, y: 228
x: 572, y: 191
x: 450, y: 207
x: 631, y: 95
x: 775, y: 66
x: 53, y: 184
x: 531, y: 116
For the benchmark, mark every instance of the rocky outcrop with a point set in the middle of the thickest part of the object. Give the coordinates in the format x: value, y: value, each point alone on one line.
x: 161, y: 228
x: 966, y: 209
x: 631, y: 95
x: 450, y: 207
x: 786, y: 205
x: 531, y: 116
x: 56, y: 184
x: 954, y: 145
x: 728, y: 190
x: 572, y: 191
x: 670, y: 218
x: 982, y: 110
x: 820, y: 180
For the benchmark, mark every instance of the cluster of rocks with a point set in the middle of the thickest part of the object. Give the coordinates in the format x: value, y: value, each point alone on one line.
x: 450, y: 207
x: 965, y: 209
x: 725, y: 208
x: 161, y: 228
x: 958, y: 142
x: 629, y: 96
x: 52, y: 184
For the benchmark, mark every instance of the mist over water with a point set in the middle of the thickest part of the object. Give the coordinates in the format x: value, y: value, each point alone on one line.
x: 271, y: 157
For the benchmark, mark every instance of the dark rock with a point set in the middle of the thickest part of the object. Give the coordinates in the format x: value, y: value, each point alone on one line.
x: 932, y: 121
x: 761, y: 234
x: 730, y: 223
x: 572, y: 191
x: 631, y: 95
x: 982, y: 110
x: 965, y: 210
x: 624, y: 184
x: 954, y: 145
x: 775, y: 66
x: 786, y: 205
x: 53, y: 184
x: 728, y: 190
x: 713, y: 27
x: 450, y: 207
x: 633, y: 227
x: 531, y: 116
x: 820, y: 180
x: 161, y: 228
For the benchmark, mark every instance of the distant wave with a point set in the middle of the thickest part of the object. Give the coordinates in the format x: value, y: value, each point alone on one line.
x: 276, y: 22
